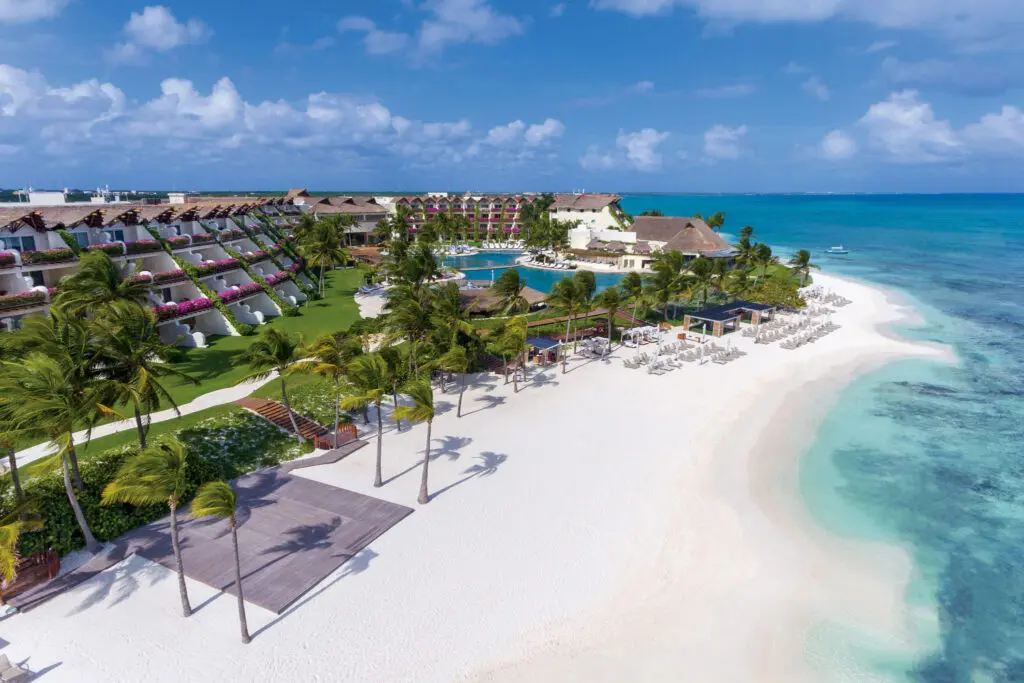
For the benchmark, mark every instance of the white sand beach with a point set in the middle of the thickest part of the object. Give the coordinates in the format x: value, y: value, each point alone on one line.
x: 602, y: 525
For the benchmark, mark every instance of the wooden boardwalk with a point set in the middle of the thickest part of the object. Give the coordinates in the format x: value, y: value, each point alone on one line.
x: 293, y: 533
x: 331, y: 456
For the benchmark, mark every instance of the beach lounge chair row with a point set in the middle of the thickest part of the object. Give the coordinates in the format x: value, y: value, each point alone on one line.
x: 11, y: 672
x: 810, y: 336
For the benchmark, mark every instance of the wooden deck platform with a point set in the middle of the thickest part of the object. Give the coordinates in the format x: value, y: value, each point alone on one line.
x: 293, y: 533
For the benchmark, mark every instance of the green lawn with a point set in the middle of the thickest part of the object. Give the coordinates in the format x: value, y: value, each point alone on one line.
x: 220, y: 365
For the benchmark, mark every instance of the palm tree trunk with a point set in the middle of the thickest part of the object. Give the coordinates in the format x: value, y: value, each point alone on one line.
x: 91, y: 545
x: 337, y: 413
x: 515, y: 377
x: 321, y: 279
x: 394, y: 397
x: 565, y: 356
x: 611, y: 326
x: 138, y: 425
x: 462, y: 390
x: 378, y: 479
x: 288, y: 407
x: 186, y: 608
x: 246, y: 638
x: 505, y: 358
x: 424, y: 495
x: 73, y: 459
x: 12, y: 461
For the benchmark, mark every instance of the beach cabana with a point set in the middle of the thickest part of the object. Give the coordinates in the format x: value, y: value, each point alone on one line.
x: 728, y: 317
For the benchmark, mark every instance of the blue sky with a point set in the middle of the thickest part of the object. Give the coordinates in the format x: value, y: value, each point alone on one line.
x: 625, y: 95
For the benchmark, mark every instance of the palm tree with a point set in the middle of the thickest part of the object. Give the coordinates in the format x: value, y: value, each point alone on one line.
x: 738, y: 282
x: 802, y: 265
x: 746, y: 251
x: 702, y: 279
x: 42, y: 401
x: 587, y: 285
x: 135, y: 359
x: 410, y: 308
x: 156, y: 475
x: 422, y: 410
x: 509, y: 289
x: 513, y: 343
x: 611, y: 300
x: 716, y: 220
x: 746, y: 232
x: 457, y: 360
x: 632, y: 289
x: 97, y: 281
x: 763, y: 257
x: 669, y: 278
x: 652, y: 212
x: 327, y: 357
x: 18, y: 521
x: 274, y: 351
x: 566, y: 295
x: 321, y: 246
x: 368, y: 380
x: 218, y: 499
x: 8, y: 439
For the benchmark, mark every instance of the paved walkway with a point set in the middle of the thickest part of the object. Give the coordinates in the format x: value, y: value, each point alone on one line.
x: 210, y: 400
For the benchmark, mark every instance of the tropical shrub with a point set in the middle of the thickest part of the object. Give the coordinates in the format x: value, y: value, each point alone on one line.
x: 179, y: 310
x: 7, y: 258
x: 202, y: 238
x: 178, y: 241
x: 278, y: 277
x: 169, y: 276
x: 244, y: 290
x: 231, y: 234
x: 112, y: 248
x: 142, y: 246
x: 219, y: 266
x: 69, y: 240
x: 255, y: 256
x: 47, y: 256
x: 21, y: 300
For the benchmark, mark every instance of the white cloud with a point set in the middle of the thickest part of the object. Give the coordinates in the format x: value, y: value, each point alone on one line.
x: 641, y: 148
x: 595, y: 160
x: 464, y: 21
x: 23, y: 11
x: 794, y: 69
x: 449, y: 22
x: 880, y: 46
x: 837, y: 145
x: 376, y: 41
x: 638, y: 88
x: 968, y: 20
x: 71, y: 122
x: 557, y: 10
x: 642, y: 87
x: 156, y: 29
x: 734, y: 91
x: 722, y: 142
x: 905, y: 129
x: 998, y: 133
x: 499, y: 135
x: 540, y: 133
x: 815, y: 88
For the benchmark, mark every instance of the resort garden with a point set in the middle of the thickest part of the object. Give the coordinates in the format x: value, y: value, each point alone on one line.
x: 98, y: 357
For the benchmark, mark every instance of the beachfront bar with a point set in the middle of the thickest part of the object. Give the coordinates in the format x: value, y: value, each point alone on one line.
x: 728, y: 317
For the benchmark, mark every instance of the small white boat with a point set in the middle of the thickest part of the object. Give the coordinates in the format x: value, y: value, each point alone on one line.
x: 837, y: 250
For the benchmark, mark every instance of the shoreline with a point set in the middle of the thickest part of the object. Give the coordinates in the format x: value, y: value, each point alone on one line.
x: 853, y: 582
x: 631, y: 527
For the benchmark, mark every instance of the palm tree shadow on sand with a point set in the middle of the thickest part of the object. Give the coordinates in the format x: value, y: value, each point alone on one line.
x: 357, y: 564
x: 488, y: 465
x: 450, y: 447
x: 489, y: 402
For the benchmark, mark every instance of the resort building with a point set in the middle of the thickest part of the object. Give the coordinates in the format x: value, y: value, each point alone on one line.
x: 593, y: 211
x: 364, y: 210
x: 484, y: 217
x: 635, y: 247
x: 218, y: 263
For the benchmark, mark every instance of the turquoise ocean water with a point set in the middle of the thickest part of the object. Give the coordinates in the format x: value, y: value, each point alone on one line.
x: 923, y: 455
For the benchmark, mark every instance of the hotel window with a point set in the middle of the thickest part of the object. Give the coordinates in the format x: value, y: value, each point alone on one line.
x: 37, y: 278
x: 26, y: 243
x: 116, y: 235
x: 82, y: 238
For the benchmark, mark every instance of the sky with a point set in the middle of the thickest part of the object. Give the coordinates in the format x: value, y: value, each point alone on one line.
x: 526, y: 95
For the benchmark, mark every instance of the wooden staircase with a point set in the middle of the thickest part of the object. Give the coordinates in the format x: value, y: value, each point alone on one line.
x: 277, y: 414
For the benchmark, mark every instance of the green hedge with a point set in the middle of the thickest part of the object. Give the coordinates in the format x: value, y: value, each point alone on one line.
x: 61, y: 532
x: 220, y: 447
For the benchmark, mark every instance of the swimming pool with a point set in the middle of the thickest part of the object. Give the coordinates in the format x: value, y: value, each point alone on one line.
x: 536, y: 278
